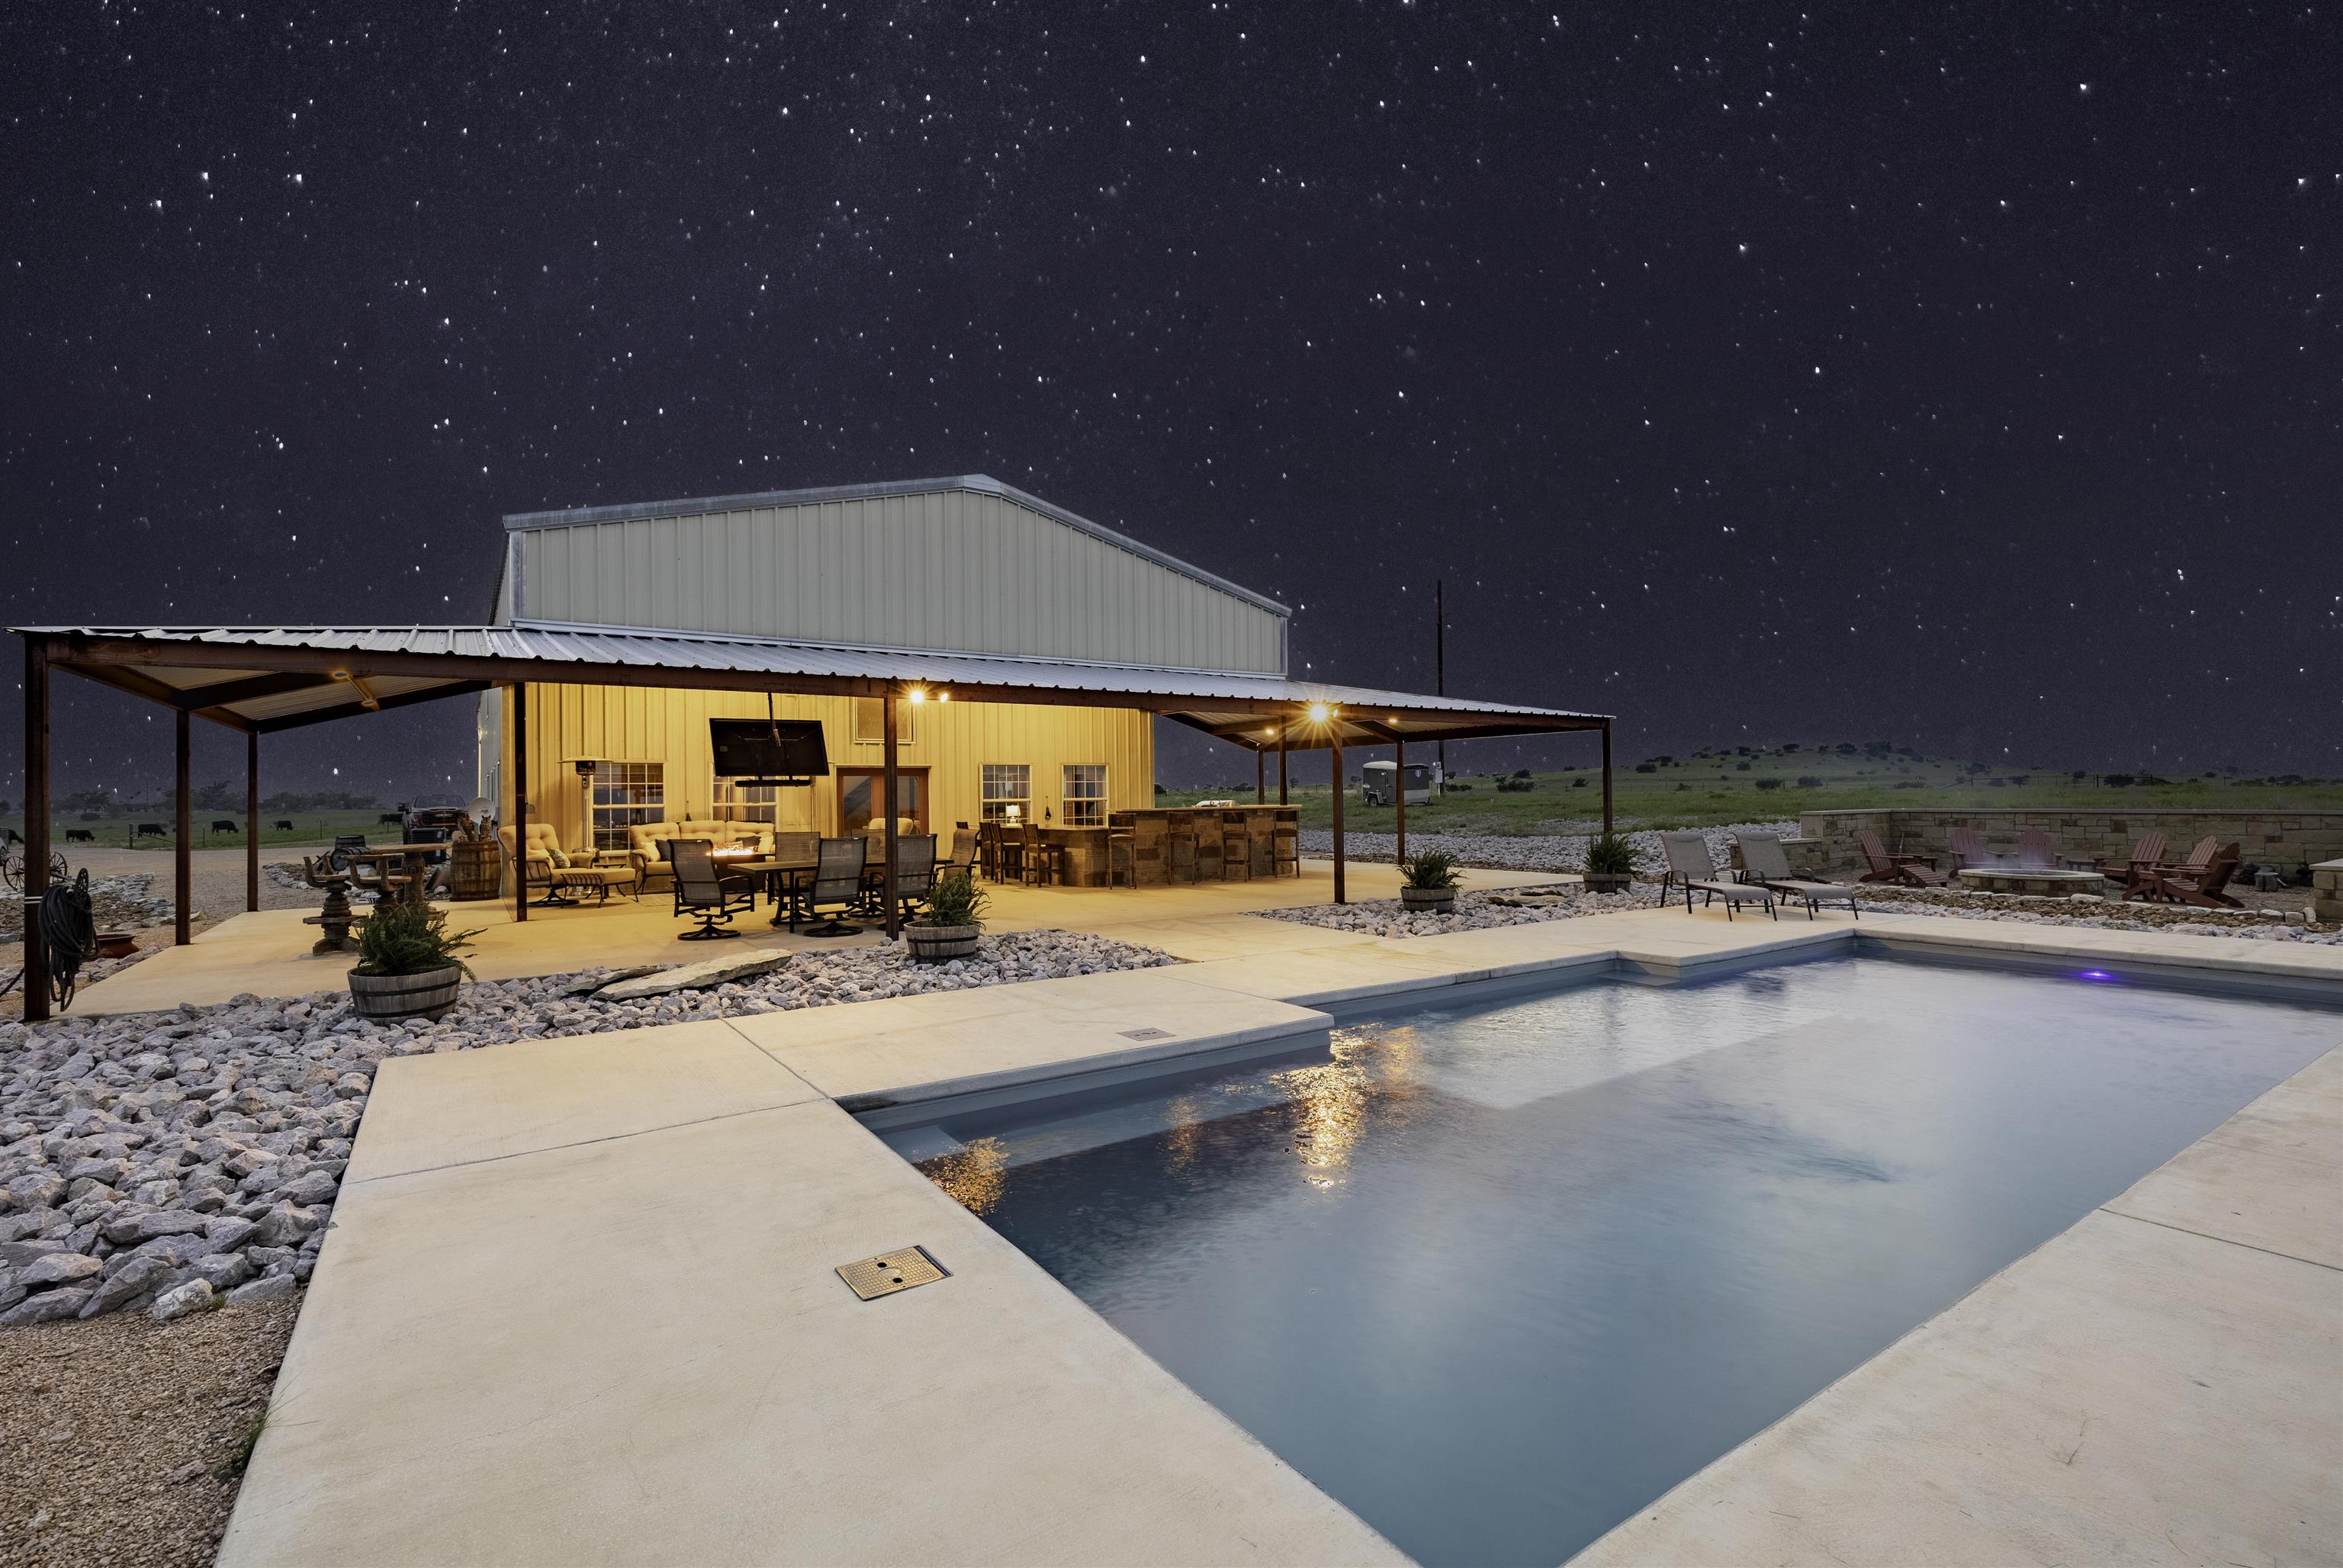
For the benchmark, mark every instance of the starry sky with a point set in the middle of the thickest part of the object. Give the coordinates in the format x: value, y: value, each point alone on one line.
x: 1965, y: 375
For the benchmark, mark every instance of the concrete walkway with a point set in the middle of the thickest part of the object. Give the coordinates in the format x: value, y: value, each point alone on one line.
x: 578, y: 1304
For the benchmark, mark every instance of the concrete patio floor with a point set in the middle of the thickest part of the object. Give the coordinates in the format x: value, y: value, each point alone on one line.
x: 578, y: 1306
x: 267, y: 953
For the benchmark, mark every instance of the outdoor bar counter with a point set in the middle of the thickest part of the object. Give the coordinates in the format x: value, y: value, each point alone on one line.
x: 1219, y: 831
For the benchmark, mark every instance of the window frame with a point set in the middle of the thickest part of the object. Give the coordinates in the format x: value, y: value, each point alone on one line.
x: 993, y: 806
x: 1092, y: 812
x: 624, y: 795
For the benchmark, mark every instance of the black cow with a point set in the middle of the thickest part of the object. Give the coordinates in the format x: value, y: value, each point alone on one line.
x: 393, y: 818
x: 282, y: 826
x: 143, y: 829
x: 14, y: 837
x: 222, y: 825
x: 80, y: 836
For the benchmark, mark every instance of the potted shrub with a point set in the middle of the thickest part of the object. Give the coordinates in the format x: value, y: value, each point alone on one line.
x: 1610, y: 864
x: 954, y: 918
x: 475, y: 867
x: 407, y: 966
x: 1428, y: 882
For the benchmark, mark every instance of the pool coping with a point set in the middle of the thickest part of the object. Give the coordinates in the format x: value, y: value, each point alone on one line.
x: 584, y: 1105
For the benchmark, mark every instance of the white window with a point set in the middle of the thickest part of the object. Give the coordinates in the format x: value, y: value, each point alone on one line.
x: 1008, y: 784
x: 626, y: 794
x: 1085, y: 795
x: 737, y: 802
x: 871, y: 721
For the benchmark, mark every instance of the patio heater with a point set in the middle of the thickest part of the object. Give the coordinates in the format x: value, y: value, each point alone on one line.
x: 586, y: 765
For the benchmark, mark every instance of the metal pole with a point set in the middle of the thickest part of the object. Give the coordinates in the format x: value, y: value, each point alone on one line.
x: 520, y: 799
x: 887, y: 732
x: 182, y: 868
x: 1336, y: 732
x: 36, y: 826
x: 1399, y: 774
x: 1440, y: 663
x: 1606, y: 776
x: 251, y: 820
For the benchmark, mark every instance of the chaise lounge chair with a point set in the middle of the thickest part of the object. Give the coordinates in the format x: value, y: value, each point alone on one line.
x: 1912, y: 870
x: 1690, y: 867
x: 1765, y: 862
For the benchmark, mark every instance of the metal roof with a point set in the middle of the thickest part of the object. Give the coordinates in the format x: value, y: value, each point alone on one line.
x: 279, y: 678
x: 982, y: 484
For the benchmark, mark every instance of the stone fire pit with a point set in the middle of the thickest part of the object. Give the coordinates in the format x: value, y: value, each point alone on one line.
x: 2038, y: 881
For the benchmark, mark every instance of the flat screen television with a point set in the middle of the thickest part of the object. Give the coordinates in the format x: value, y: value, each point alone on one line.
x: 782, y: 749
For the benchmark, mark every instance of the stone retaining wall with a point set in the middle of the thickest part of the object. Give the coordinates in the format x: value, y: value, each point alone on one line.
x: 2327, y: 903
x: 2286, y: 840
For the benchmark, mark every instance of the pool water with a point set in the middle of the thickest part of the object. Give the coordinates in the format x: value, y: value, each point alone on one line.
x: 1495, y: 1276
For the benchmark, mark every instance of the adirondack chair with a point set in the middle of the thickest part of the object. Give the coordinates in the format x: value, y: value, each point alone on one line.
x: 2202, y: 888
x: 1968, y: 848
x: 2192, y: 869
x: 2037, y: 850
x: 2145, y: 851
x: 1912, y: 870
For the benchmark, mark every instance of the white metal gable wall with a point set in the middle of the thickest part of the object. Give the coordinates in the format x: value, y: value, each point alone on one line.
x: 947, y: 569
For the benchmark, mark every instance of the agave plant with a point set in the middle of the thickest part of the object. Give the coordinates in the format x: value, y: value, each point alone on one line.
x: 1429, y: 870
x: 1609, y: 855
x: 405, y: 939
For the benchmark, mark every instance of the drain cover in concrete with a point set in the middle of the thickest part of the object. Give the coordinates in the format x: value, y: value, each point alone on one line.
x: 888, y: 1273
x: 1145, y: 1033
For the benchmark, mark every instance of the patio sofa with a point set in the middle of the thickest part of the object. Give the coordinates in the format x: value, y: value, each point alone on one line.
x: 643, y: 842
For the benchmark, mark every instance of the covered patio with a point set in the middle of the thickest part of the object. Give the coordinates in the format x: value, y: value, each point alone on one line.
x: 262, y: 681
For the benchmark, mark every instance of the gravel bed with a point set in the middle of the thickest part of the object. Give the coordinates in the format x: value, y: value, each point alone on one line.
x: 123, y: 1441
x: 1528, y: 852
x: 127, y: 901
x: 1525, y: 906
x: 170, y: 1160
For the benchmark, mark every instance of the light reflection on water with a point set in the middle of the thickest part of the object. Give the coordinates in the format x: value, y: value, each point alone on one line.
x: 1496, y: 1276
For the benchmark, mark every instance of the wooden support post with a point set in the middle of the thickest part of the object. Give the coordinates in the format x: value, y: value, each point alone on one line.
x: 887, y: 734
x: 1260, y: 777
x: 251, y: 820
x: 519, y: 823
x: 1337, y: 755
x: 183, y: 867
x: 1606, y: 776
x: 1280, y: 764
x: 36, y: 825
x: 1399, y: 799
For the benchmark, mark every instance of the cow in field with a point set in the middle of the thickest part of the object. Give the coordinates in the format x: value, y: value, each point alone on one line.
x: 222, y: 825
x: 282, y: 826
x: 392, y: 819
x: 143, y: 829
x: 80, y: 836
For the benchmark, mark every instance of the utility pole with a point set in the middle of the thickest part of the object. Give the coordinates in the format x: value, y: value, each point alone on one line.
x: 1440, y: 663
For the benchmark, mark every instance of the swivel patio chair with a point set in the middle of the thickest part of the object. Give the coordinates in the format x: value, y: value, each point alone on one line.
x: 1765, y: 862
x: 707, y: 894
x: 915, y: 870
x: 836, y: 886
x: 1690, y: 868
x: 1912, y: 870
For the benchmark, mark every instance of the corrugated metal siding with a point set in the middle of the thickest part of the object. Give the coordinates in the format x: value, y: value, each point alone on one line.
x: 949, y: 569
x: 953, y: 742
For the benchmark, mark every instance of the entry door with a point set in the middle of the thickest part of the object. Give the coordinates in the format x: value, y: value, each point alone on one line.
x: 860, y: 788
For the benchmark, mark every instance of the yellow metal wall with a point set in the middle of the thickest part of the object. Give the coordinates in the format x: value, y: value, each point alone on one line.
x: 953, y: 740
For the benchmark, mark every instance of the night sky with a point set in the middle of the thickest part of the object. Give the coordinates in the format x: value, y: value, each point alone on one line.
x: 1962, y: 375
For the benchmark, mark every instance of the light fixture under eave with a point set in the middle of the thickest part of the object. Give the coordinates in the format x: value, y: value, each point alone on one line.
x: 1318, y: 712
x: 356, y: 683
x: 918, y: 694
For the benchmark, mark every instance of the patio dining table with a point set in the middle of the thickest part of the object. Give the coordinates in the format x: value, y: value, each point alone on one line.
x: 408, y: 865
x: 784, y: 882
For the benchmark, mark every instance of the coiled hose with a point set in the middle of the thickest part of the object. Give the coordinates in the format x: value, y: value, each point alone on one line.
x: 69, y: 931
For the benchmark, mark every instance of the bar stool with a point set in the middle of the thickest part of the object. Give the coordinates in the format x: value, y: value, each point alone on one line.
x: 1039, y: 862
x: 1210, y: 843
x: 1121, y: 854
x: 1236, y: 851
x: 1179, y: 851
x: 1285, y: 850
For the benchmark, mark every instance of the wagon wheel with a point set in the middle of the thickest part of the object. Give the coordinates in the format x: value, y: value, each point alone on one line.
x: 12, y: 871
x: 59, y: 870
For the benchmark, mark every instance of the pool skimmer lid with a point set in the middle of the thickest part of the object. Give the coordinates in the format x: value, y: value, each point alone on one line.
x: 1145, y: 1033
x: 871, y: 1278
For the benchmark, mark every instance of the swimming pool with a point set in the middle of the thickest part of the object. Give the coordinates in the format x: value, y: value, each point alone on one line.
x: 1496, y: 1275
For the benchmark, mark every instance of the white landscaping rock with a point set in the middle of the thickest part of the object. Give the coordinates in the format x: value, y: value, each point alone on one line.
x: 183, y: 1301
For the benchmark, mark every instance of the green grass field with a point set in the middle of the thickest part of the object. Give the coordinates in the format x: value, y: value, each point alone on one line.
x: 1698, y: 791
x: 112, y: 832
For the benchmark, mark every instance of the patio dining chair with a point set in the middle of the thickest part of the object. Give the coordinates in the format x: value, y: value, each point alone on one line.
x: 836, y: 886
x: 963, y: 856
x: 915, y: 870
x: 1765, y: 862
x: 710, y: 896
x: 1690, y: 868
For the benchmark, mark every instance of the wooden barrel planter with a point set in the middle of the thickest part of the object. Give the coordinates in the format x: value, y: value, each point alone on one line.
x: 1428, y: 900
x: 940, y: 944
x: 1607, y: 881
x: 390, y: 998
x: 475, y: 870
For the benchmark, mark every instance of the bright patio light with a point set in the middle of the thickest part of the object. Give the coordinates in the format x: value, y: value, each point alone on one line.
x: 1318, y: 712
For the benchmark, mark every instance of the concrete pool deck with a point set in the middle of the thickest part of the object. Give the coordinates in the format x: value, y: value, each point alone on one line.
x: 578, y: 1304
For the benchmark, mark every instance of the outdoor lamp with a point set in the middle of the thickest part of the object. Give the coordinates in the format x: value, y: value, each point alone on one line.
x: 919, y: 695
x: 1317, y: 713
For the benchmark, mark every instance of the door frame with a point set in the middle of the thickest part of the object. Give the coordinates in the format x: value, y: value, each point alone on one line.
x: 878, y: 776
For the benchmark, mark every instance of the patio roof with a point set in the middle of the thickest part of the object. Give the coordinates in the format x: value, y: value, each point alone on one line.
x: 263, y: 679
